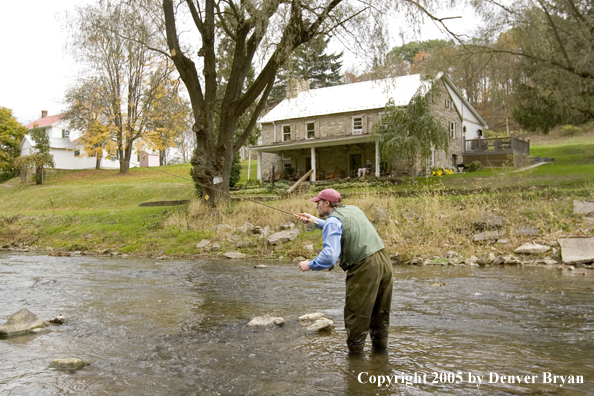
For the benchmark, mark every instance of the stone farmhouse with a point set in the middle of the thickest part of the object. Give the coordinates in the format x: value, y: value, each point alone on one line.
x: 330, y: 130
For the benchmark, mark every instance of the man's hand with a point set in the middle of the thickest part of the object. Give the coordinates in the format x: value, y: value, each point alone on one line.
x: 304, y: 265
x: 307, y: 218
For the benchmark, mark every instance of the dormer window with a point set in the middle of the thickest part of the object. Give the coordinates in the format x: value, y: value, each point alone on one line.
x: 65, y: 134
x: 357, y: 125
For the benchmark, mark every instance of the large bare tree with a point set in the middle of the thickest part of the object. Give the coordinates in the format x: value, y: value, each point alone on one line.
x: 113, y: 40
x: 263, y: 35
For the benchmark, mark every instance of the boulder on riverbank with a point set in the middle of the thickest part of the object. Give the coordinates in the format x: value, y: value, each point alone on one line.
x: 21, y: 322
x: 532, y: 248
x: 232, y: 254
x: 69, y: 364
x: 577, y: 250
x: 281, y: 237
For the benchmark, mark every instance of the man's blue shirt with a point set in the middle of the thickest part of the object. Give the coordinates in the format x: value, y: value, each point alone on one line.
x: 331, y: 232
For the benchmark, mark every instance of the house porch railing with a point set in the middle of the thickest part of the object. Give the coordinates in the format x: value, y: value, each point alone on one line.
x: 497, y: 145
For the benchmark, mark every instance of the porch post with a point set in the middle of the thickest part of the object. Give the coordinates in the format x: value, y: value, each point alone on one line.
x: 249, y: 162
x: 259, y: 171
x: 313, y: 164
x: 377, y: 159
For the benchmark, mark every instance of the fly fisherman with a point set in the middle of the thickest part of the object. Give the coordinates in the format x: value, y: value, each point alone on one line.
x: 349, y: 235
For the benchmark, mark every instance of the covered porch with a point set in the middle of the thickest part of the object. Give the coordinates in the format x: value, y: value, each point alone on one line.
x: 330, y: 158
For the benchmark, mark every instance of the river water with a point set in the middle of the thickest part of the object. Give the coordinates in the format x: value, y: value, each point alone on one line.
x: 178, y: 327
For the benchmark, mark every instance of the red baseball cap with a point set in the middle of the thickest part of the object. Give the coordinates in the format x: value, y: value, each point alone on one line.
x: 328, y: 194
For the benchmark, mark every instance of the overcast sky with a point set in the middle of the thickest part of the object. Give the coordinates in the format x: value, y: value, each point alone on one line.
x: 35, y: 70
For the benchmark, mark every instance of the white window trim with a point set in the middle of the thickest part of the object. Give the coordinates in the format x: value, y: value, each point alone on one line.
x: 452, y: 129
x: 283, y: 132
x: 430, y: 161
x: 314, y: 124
x: 448, y: 103
x: 360, y: 131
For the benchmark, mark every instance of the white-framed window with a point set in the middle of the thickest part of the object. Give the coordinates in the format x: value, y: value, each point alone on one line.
x: 357, y: 125
x: 77, y: 153
x: 430, y: 163
x: 448, y: 103
x: 310, y: 130
x: 65, y: 134
x: 453, y: 129
x: 286, y: 133
x: 287, y: 164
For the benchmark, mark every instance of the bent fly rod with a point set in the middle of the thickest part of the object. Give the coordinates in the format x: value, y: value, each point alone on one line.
x: 221, y: 191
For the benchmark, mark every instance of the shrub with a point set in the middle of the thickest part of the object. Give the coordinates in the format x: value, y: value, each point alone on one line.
x: 475, y: 166
x: 235, y: 170
x: 570, y: 130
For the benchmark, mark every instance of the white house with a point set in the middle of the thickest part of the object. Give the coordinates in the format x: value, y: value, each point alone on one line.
x: 67, y: 151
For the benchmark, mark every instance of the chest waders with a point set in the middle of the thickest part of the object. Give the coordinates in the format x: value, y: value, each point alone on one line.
x: 368, y: 283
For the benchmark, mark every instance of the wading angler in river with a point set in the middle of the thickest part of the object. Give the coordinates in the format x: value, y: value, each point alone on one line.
x: 348, y: 235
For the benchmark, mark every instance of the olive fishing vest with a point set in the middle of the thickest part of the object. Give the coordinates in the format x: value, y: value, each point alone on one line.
x: 359, y: 238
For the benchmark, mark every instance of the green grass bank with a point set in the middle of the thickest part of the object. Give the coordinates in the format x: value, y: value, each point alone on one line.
x: 97, y: 210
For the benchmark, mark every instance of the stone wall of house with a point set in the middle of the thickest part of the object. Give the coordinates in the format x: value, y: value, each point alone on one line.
x: 401, y: 166
x: 326, y: 126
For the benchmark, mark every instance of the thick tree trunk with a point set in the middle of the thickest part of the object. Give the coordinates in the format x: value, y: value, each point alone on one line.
x: 98, y: 162
x: 212, y: 170
x: 39, y: 175
x: 126, y: 158
x: 162, y: 158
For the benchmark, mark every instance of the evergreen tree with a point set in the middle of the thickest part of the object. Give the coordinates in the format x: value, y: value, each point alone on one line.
x: 309, y: 62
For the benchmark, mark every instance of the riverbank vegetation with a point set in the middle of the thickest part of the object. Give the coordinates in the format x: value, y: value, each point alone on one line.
x: 97, y: 210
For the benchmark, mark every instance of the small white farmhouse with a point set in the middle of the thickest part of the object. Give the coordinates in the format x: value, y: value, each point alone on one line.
x: 68, y: 153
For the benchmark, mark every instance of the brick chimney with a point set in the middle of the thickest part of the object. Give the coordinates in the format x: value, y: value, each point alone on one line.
x: 43, y: 113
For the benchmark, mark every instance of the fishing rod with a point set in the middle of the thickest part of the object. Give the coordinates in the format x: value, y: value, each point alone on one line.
x: 220, y: 191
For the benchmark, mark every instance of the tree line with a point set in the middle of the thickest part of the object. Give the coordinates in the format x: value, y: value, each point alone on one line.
x: 199, y: 73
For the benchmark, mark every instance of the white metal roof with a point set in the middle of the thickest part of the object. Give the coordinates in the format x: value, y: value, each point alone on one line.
x: 347, y: 98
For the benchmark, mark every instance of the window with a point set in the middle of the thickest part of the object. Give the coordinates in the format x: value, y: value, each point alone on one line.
x: 287, y: 165
x: 448, y: 103
x: 286, y: 133
x: 310, y: 130
x: 453, y: 129
x: 383, y: 123
x: 357, y: 125
x: 65, y: 134
x: 77, y: 153
x: 430, y: 162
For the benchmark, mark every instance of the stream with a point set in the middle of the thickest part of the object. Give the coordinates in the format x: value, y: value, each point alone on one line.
x: 179, y: 327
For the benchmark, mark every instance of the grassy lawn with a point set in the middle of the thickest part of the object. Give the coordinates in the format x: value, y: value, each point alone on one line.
x: 253, y: 167
x: 94, y: 210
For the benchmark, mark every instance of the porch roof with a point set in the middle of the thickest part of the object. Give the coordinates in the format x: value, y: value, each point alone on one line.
x: 323, y: 142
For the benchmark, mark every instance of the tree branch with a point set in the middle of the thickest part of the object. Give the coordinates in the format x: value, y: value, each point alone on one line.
x: 240, y: 141
x: 554, y: 28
